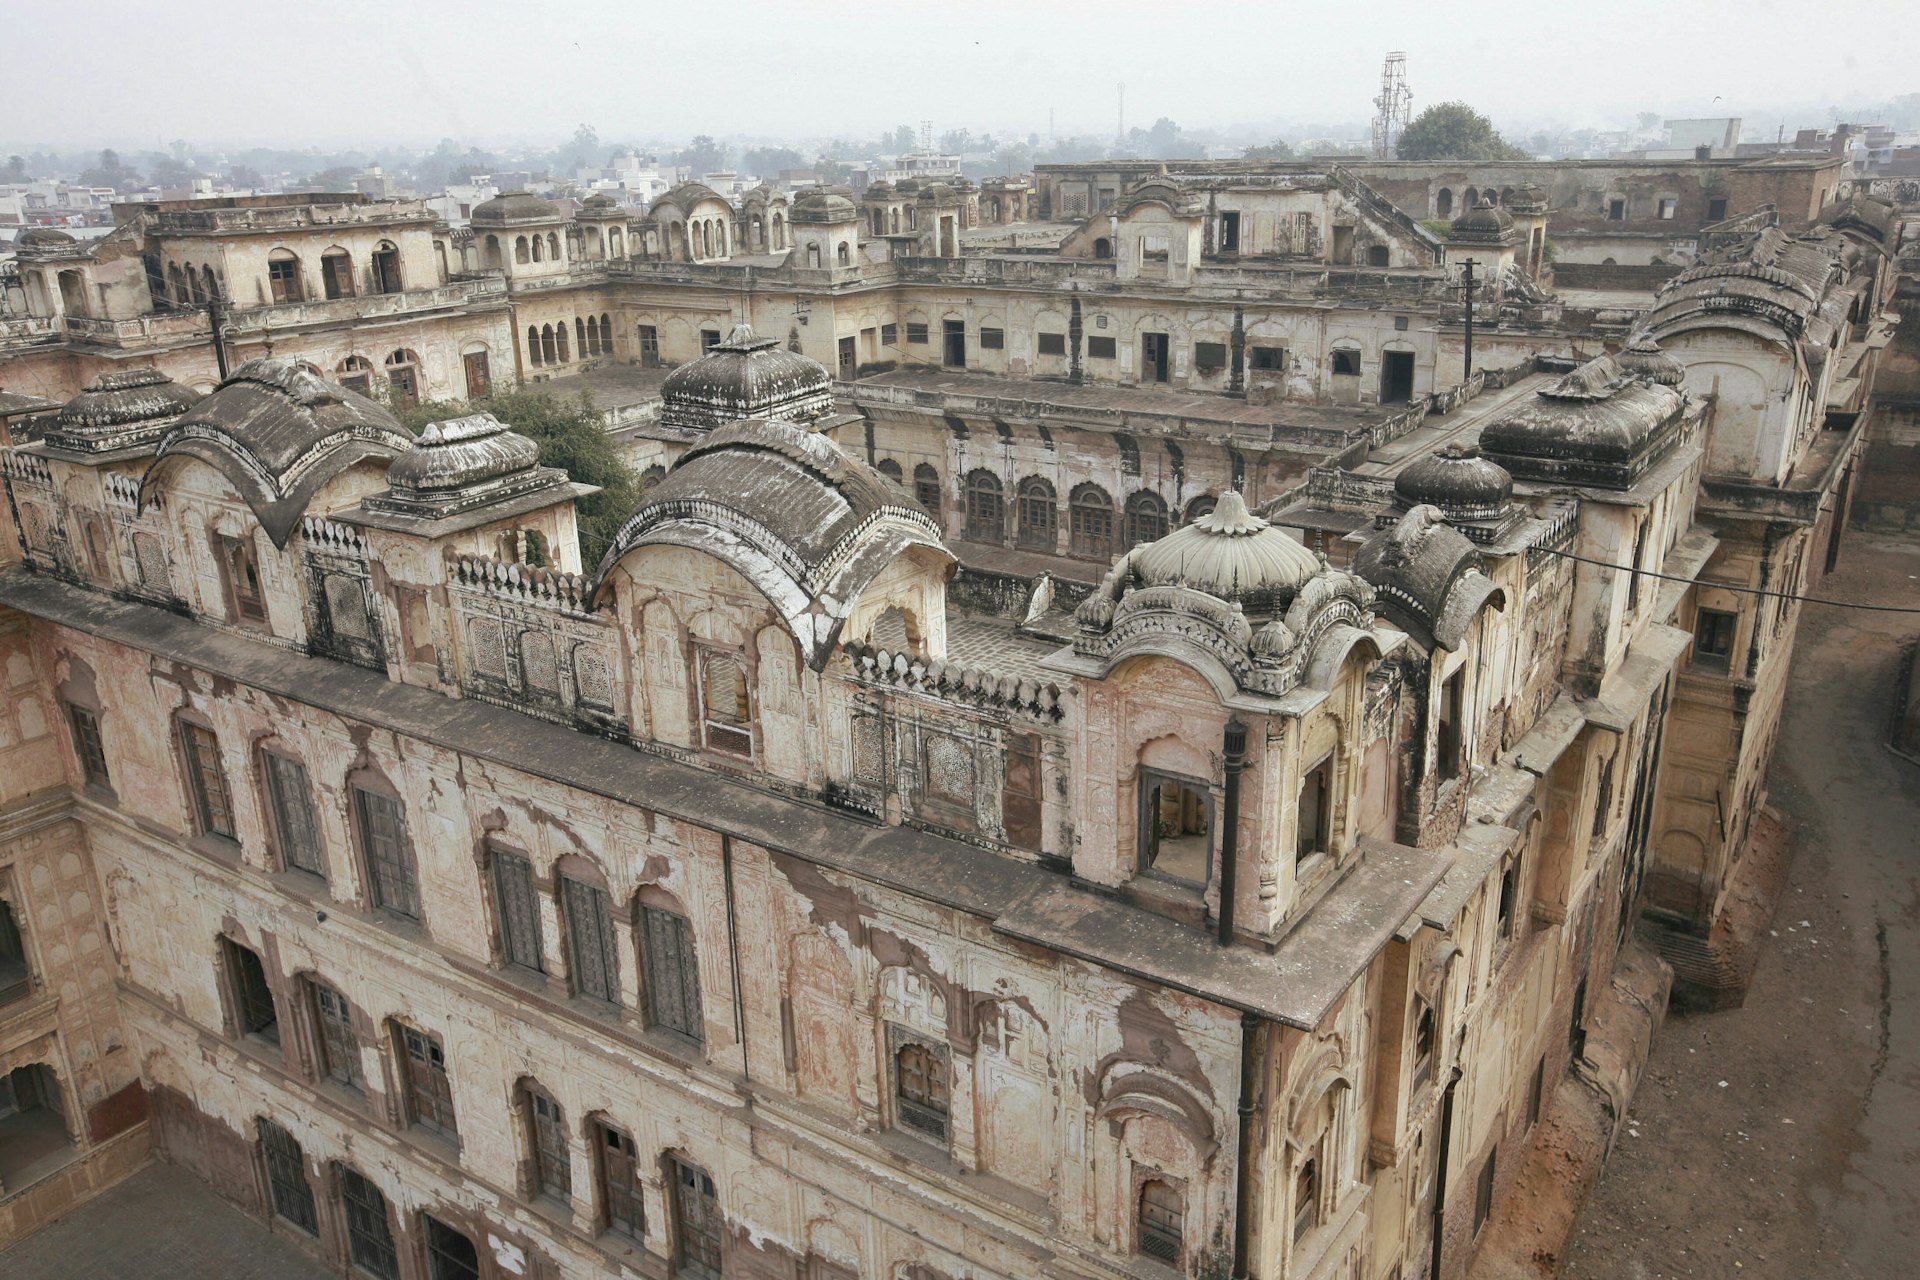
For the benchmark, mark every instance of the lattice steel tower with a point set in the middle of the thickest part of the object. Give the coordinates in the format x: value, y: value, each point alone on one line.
x: 1393, y: 108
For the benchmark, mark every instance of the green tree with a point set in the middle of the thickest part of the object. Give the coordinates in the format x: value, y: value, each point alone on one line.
x: 573, y: 437
x: 1278, y: 149
x: 703, y: 156
x: 110, y: 173
x: 1454, y: 131
x: 16, y: 170
x: 767, y: 162
x: 829, y: 170
x: 902, y: 140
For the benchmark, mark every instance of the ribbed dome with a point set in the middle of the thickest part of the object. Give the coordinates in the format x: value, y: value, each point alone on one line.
x: 43, y: 238
x: 515, y: 206
x: 1464, y: 485
x: 1643, y: 358
x: 745, y: 377
x: 123, y: 409
x: 823, y: 206
x: 1485, y: 223
x: 1229, y: 553
x: 461, y: 452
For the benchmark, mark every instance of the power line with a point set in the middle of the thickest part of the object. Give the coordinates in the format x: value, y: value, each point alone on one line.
x: 1727, y: 586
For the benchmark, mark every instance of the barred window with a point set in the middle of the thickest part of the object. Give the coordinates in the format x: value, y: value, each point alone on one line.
x: 1162, y: 1220
x: 212, y: 803
x: 1101, y: 348
x: 926, y: 488
x: 293, y: 820
x: 920, y: 1089
x: 389, y: 854
x: 518, y: 910
x: 621, y: 1208
x: 369, y: 1229
x: 672, y: 972
x: 889, y: 335
x: 1052, y: 344
x: 287, y: 1181
x: 450, y: 1254
x: 590, y: 940
x: 429, y: 1094
x: 993, y: 339
x: 552, y: 1165
x: 917, y: 332
x: 253, y: 1011
x: 88, y: 746
x: 339, y: 1046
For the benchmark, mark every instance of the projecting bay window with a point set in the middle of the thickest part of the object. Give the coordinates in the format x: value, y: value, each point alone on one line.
x: 725, y: 713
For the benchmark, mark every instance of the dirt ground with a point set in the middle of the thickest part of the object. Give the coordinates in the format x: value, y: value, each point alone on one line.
x: 1782, y: 1139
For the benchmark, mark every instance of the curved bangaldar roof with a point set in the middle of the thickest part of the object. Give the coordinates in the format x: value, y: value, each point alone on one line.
x: 1600, y: 424
x: 278, y: 433
x: 782, y: 506
x: 1427, y: 577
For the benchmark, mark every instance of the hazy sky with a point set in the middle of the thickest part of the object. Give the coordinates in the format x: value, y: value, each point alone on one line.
x: 364, y: 72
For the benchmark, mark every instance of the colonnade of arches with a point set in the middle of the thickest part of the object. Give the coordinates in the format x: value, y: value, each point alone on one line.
x: 1097, y: 527
x: 548, y: 344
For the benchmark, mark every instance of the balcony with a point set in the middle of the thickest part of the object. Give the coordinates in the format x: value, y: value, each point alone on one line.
x: 470, y: 292
x: 287, y: 217
x: 159, y: 329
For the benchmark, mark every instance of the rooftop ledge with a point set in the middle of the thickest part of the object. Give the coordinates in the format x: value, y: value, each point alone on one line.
x: 1296, y: 984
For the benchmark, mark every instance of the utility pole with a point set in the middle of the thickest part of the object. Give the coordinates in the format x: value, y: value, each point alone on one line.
x: 1468, y: 371
x: 215, y: 318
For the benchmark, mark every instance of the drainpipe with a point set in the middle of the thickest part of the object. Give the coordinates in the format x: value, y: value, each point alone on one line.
x: 1236, y: 752
x: 733, y: 951
x: 1440, y: 1177
x: 1243, y: 1178
x: 216, y: 318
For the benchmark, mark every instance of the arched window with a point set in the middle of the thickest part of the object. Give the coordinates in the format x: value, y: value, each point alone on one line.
x: 206, y: 779
x: 1200, y: 506
x: 213, y: 286
x: 1103, y: 248
x: 1162, y: 1221
x: 548, y: 351
x: 1306, y: 1197
x: 616, y: 243
x: 534, y: 356
x: 669, y: 971
x: 1146, y: 518
x: 490, y: 251
x: 283, y: 276
x: 194, y: 283
x: 386, y: 268
x: 780, y: 232
x: 403, y: 374
x: 539, y: 249
x: 893, y: 222
x: 986, y: 508
x: 520, y: 250
x: 726, y: 711
x: 356, y: 374
x: 583, y: 337
x: 1506, y: 195
x: 846, y: 255
x: 553, y: 248
x: 1443, y: 203
x: 1038, y: 514
x: 890, y: 469
x: 560, y: 340
x: 1422, y: 1047
x: 177, y: 285
x: 1376, y: 255
x: 879, y: 221
x: 813, y: 255
x: 1090, y: 522
x: 926, y: 488
x: 652, y: 476
x: 547, y: 1139
x: 1472, y: 197
x: 451, y: 1254
x: 336, y: 273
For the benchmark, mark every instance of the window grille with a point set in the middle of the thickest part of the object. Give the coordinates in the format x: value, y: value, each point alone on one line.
x: 287, y: 1178
x: 369, y: 1231
x: 590, y: 939
x: 293, y: 820
x: 212, y: 804
x: 450, y: 1255
x: 383, y: 835
x: 672, y: 972
x: 518, y: 910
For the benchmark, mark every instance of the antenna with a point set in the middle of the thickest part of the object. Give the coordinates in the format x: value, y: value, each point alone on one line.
x: 926, y: 137
x: 1393, y: 109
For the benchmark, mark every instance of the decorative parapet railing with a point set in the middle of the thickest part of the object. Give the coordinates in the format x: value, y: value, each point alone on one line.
x: 280, y: 217
x: 525, y: 585
x: 26, y: 468
x: 1335, y: 489
x: 332, y: 537
x: 1557, y: 536
x: 951, y: 682
x: 122, y: 490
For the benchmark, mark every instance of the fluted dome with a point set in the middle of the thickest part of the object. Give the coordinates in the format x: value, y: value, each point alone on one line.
x: 119, y: 410
x: 1457, y: 480
x: 823, y: 206
x: 1643, y: 358
x: 1229, y: 553
x: 43, y: 238
x: 1484, y: 223
x: 745, y: 377
x: 514, y: 207
x: 460, y: 464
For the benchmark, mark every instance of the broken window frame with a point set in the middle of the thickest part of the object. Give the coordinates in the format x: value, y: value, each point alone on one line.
x: 254, y: 1011
x: 922, y: 1081
x: 206, y: 780
x: 1713, y: 637
x: 290, y: 804
x: 426, y: 1086
x: 89, y: 746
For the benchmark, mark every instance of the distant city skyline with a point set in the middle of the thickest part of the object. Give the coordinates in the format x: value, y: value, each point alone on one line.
x: 220, y: 73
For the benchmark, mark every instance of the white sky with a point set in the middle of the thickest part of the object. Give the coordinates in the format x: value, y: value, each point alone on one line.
x: 366, y: 72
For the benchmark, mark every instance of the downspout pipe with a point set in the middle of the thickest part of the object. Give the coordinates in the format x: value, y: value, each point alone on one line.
x: 1243, y: 1166
x: 1236, y: 753
x: 1440, y: 1177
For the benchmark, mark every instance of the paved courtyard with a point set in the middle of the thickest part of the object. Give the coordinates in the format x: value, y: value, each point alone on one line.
x: 159, y: 1224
